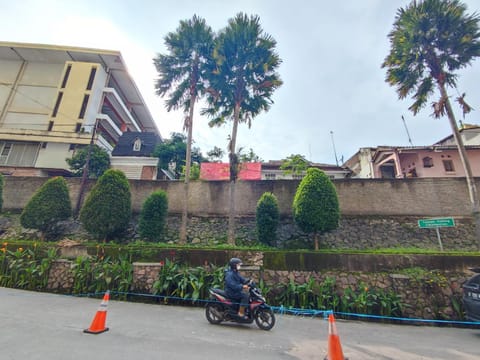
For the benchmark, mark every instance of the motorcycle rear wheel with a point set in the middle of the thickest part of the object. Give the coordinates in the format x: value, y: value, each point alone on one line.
x: 265, y: 319
x: 214, y: 313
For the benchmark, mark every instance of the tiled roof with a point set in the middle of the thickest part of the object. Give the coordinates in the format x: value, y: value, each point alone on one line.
x: 125, y: 145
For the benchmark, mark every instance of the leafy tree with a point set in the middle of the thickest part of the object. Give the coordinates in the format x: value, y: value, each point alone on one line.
x: 2, y: 184
x: 242, y: 85
x: 98, y: 163
x: 315, y: 205
x: 183, y: 74
x: 216, y: 154
x: 153, y: 216
x: 194, y: 172
x: 267, y: 218
x: 294, y: 164
x: 173, y: 151
x: 248, y: 157
x: 49, y: 205
x: 430, y: 41
x: 107, y: 209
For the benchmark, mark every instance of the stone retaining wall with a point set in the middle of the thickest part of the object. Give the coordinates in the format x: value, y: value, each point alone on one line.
x: 422, y: 300
x: 354, y: 232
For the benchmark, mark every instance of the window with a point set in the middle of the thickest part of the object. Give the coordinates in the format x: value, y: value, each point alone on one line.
x: 50, y: 125
x: 137, y: 144
x: 270, y: 176
x: 6, y: 149
x: 57, y: 104
x: 91, y: 78
x: 71, y: 147
x: 65, y: 77
x: 84, y: 106
x: 18, y: 153
x: 297, y: 176
x: 448, y: 165
x: 78, y: 127
x: 427, y: 162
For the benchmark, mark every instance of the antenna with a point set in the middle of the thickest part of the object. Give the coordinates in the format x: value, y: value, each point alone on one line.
x: 406, y: 129
x: 334, y: 150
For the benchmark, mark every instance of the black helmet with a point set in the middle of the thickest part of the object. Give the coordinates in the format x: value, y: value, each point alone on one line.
x: 234, y: 262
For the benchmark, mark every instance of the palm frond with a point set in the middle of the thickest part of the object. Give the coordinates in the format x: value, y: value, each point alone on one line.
x: 430, y: 40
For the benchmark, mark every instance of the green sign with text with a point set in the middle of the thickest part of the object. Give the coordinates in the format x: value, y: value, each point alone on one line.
x: 435, y: 223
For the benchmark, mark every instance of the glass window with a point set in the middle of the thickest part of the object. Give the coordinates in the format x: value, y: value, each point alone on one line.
x: 427, y: 162
x: 57, y: 104
x: 84, y: 106
x: 91, y: 78
x: 137, y: 144
x: 448, y: 165
x: 65, y: 77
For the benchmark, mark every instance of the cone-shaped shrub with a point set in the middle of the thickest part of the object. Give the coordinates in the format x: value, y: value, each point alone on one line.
x: 315, y: 205
x: 49, y: 205
x: 153, y: 217
x: 107, y: 209
x: 267, y: 218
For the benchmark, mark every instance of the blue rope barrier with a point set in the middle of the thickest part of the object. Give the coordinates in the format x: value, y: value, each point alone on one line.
x: 281, y: 310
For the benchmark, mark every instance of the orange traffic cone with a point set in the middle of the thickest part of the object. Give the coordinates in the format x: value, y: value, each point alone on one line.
x: 98, y: 323
x: 334, y: 347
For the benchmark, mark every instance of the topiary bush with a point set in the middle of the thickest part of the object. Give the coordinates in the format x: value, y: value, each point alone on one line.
x: 267, y: 219
x: 2, y: 182
x: 315, y: 205
x: 153, y: 216
x: 108, y: 209
x: 49, y: 205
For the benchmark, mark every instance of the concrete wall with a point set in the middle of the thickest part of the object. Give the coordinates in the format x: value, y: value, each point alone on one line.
x: 402, y: 197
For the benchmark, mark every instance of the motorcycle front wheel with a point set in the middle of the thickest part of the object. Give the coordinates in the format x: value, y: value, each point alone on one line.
x: 214, y: 313
x: 265, y: 319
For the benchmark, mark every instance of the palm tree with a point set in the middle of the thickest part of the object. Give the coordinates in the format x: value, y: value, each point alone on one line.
x: 242, y: 85
x: 431, y: 40
x: 182, y: 75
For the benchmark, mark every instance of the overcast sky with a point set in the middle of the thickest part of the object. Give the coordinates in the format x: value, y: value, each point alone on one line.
x: 334, y: 99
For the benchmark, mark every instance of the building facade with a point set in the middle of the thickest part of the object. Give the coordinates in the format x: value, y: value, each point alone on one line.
x: 56, y: 99
x: 265, y: 171
x: 438, y: 160
x: 133, y: 155
x: 271, y: 171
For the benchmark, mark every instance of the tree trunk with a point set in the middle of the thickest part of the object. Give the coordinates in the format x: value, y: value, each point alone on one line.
x: 472, y: 189
x: 315, y: 239
x: 233, y: 176
x: 188, y: 163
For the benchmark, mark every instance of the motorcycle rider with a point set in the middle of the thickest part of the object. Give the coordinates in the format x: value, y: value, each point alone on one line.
x: 235, y: 284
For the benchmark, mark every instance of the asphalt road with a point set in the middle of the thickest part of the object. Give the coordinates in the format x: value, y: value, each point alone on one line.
x: 47, y: 326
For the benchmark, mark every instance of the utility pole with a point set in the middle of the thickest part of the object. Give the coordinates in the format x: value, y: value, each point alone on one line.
x: 406, y: 129
x: 85, y: 170
x: 334, y: 150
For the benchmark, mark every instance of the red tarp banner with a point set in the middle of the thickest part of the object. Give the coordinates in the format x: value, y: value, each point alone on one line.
x: 221, y: 171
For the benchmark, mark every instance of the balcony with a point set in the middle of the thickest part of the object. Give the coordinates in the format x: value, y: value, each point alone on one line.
x: 120, y: 108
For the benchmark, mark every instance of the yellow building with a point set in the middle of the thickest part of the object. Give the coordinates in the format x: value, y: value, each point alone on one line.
x: 54, y: 98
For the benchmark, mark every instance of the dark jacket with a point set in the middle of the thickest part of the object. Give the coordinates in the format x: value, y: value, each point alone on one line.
x: 234, y: 284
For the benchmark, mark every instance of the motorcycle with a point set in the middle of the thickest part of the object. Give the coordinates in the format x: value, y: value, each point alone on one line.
x: 220, y: 308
